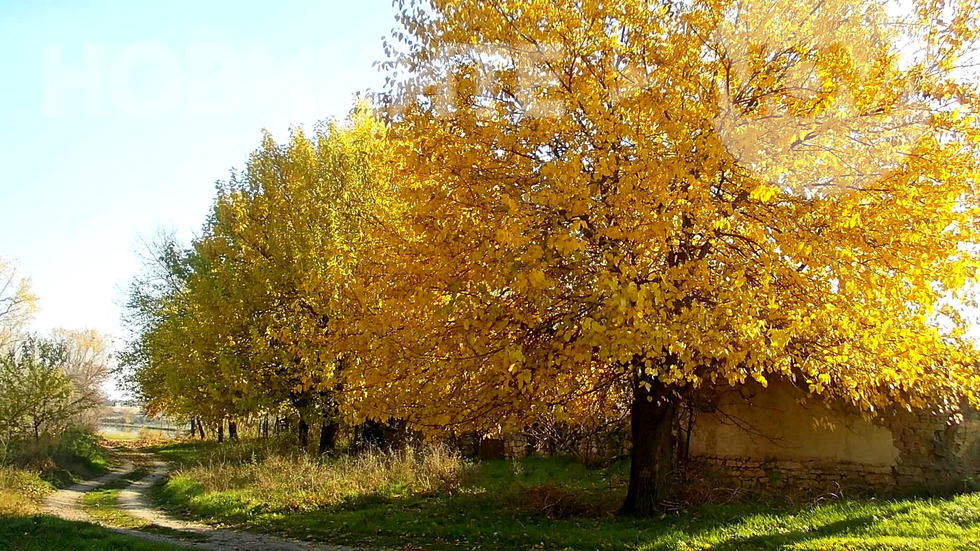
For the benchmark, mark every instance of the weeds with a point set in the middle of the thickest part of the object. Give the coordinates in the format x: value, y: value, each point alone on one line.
x: 300, y: 482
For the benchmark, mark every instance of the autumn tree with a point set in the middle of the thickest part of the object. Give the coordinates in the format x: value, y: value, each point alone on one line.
x: 153, y: 316
x: 253, y: 322
x: 87, y: 365
x: 17, y: 302
x: 616, y: 204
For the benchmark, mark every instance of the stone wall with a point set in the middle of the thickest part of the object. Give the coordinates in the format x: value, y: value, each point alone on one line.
x: 779, y: 438
x: 935, y: 451
x: 807, y: 476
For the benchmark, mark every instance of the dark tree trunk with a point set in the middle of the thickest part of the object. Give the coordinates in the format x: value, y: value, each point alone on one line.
x: 200, y: 429
x: 328, y: 435
x: 301, y: 402
x: 221, y: 431
x: 233, y: 430
x: 652, y: 459
x: 304, y: 434
x: 369, y: 434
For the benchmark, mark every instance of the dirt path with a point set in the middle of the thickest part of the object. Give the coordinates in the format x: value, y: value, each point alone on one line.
x: 64, y: 503
x: 135, y: 501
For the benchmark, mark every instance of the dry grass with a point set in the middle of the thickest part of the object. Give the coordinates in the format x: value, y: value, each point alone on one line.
x: 298, y: 481
x: 20, y: 491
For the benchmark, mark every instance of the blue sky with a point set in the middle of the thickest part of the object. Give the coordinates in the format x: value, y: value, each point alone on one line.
x: 117, y: 117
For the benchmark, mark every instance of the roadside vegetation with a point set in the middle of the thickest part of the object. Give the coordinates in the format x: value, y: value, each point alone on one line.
x: 39, y: 471
x: 50, y: 393
x: 430, y: 499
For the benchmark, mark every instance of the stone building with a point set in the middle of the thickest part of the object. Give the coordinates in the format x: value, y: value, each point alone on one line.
x: 779, y: 436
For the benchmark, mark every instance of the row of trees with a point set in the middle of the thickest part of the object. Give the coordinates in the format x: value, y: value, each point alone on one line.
x: 576, y: 211
x: 46, y: 383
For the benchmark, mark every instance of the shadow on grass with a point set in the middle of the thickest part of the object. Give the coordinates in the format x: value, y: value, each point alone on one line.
x: 47, y: 533
x: 467, y: 521
x: 184, y: 453
x: 784, y: 540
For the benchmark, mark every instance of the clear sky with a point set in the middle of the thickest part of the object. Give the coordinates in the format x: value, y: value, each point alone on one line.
x: 118, y: 116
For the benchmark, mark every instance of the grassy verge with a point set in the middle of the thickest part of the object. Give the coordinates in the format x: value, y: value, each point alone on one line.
x: 72, y: 456
x: 102, y: 504
x: 42, y: 466
x: 538, y: 503
x: 23, y: 528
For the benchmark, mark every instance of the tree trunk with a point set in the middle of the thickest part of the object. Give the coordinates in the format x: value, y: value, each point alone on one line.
x: 233, y: 430
x: 304, y: 434
x: 221, y: 431
x: 200, y: 429
x: 370, y: 434
x: 328, y: 435
x: 652, y: 465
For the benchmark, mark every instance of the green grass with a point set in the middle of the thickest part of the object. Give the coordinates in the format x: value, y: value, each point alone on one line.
x: 554, y: 503
x: 62, y: 460
x: 185, y: 453
x: 24, y: 528
x: 102, y: 504
x: 46, y: 533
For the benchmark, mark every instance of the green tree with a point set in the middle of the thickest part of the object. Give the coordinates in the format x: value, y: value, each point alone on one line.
x: 37, y: 396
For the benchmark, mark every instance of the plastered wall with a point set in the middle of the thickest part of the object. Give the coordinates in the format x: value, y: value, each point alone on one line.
x: 779, y: 422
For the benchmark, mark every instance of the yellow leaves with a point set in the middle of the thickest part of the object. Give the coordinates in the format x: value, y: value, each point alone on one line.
x: 537, y: 279
x: 505, y: 236
x: 523, y: 378
x: 567, y: 244
x: 764, y: 192
x: 505, y: 260
x: 778, y: 339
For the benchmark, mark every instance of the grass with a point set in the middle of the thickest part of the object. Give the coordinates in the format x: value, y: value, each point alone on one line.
x: 537, y: 503
x: 21, y: 491
x: 71, y: 456
x: 47, y: 466
x: 101, y: 504
x: 23, y: 528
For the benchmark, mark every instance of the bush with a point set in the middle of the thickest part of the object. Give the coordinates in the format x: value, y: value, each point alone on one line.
x: 75, y: 453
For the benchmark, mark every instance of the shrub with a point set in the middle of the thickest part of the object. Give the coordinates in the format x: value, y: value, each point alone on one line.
x: 73, y: 453
x: 20, y: 490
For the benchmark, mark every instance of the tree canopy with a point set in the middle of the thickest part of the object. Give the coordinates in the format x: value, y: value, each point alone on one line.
x: 577, y: 210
